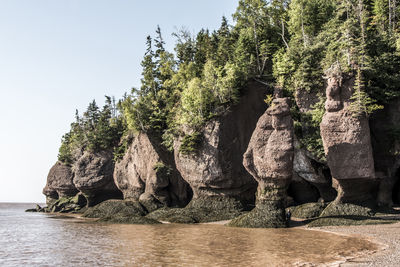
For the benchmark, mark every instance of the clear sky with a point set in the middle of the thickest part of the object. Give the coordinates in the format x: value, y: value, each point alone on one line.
x: 58, y: 55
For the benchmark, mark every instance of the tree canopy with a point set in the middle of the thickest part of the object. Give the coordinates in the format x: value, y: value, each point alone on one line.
x: 289, y: 44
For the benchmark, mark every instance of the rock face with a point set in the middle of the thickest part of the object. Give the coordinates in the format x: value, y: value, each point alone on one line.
x: 385, y: 129
x: 59, y: 183
x: 94, y: 177
x: 271, y: 164
x: 215, y: 170
x: 312, y: 171
x: 347, y: 144
x: 147, y: 174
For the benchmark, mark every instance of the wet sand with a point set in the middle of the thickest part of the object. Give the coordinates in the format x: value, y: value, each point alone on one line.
x: 386, y: 235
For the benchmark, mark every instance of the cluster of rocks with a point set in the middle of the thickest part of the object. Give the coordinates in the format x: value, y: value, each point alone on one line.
x: 249, y: 167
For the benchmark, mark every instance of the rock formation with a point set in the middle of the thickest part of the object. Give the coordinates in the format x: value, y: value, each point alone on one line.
x: 59, y: 183
x: 215, y: 171
x: 347, y: 144
x: 271, y: 164
x: 94, y: 177
x: 147, y: 174
x: 385, y: 129
x: 312, y: 171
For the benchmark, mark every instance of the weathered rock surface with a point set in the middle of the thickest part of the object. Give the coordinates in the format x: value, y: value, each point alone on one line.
x: 60, y: 178
x: 216, y: 168
x: 347, y: 144
x: 94, y: 177
x: 147, y: 174
x: 273, y: 171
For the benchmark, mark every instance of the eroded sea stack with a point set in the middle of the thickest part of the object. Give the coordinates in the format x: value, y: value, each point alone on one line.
x: 270, y: 162
x: 215, y: 171
x: 147, y: 174
x: 94, y: 177
x: 347, y: 145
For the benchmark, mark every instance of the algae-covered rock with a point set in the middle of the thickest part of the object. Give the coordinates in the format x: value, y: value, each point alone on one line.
x: 73, y: 204
x: 120, y: 211
x: 343, y: 209
x: 128, y: 219
x: 111, y: 208
x: 173, y: 215
x: 346, y: 214
x: 201, y: 210
x: 262, y: 216
x: 308, y: 210
x: 215, y: 209
x: 38, y: 208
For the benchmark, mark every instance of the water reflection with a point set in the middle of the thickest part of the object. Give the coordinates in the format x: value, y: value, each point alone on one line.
x: 37, y: 240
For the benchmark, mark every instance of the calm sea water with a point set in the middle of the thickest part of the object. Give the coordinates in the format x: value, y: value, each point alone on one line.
x: 34, y: 239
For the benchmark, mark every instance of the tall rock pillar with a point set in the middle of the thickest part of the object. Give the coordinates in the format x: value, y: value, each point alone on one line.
x: 347, y: 144
x: 269, y: 159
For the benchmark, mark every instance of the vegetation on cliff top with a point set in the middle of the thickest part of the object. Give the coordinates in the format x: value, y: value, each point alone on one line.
x: 290, y: 44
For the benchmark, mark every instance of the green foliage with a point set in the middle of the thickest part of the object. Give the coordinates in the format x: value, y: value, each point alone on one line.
x: 190, y: 143
x: 162, y: 169
x: 308, y: 129
x: 96, y: 130
x: 361, y: 103
x: 290, y: 44
x: 122, y: 147
x: 64, y: 152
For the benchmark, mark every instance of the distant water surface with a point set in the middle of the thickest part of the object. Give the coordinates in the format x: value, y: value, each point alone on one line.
x: 35, y: 239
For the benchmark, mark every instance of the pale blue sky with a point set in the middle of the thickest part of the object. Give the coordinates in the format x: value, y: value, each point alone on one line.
x: 58, y: 55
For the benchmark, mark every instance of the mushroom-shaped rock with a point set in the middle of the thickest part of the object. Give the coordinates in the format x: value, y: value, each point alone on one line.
x: 94, y: 177
x: 147, y: 174
x: 271, y: 164
x: 59, y: 183
x: 347, y: 144
x: 215, y: 170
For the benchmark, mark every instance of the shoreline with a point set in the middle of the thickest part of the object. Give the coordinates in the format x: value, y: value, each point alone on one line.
x: 385, y: 236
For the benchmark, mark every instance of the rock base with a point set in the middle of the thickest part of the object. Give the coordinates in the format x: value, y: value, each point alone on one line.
x: 346, y: 214
x: 201, y: 210
x: 308, y: 210
x: 355, y: 191
x: 262, y: 216
x: 119, y: 211
x: 73, y: 204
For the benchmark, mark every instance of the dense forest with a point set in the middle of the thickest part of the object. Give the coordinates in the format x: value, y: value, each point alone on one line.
x: 292, y: 45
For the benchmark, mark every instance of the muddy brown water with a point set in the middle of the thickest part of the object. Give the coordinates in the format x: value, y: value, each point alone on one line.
x: 33, y: 239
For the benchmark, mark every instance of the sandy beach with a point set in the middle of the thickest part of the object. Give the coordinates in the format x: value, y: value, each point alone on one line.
x: 387, y: 235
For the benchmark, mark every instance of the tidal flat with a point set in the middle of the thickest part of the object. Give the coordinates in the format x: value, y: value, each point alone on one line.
x: 38, y: 239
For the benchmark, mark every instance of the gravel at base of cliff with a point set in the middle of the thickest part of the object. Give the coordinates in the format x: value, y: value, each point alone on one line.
x: 386, y: 234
